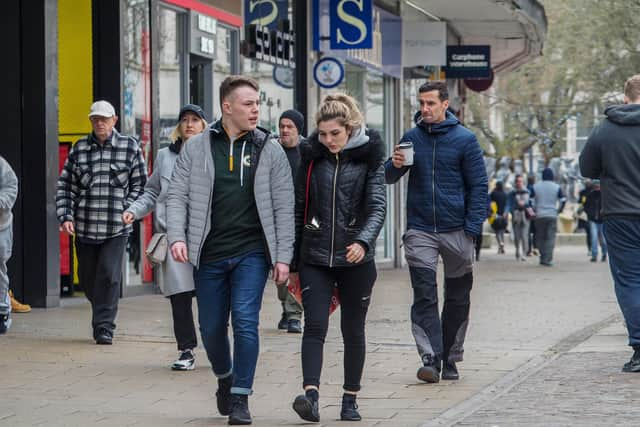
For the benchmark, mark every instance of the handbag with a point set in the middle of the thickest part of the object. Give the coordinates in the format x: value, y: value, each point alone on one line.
x: 157, y: 249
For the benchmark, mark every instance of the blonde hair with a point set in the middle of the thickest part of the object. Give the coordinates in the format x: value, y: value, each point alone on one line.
x: 632, y: 88
x: 175, y: 133
x: 340, y: 107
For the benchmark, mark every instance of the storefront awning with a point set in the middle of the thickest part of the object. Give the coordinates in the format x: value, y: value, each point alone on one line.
x: 515, y: 29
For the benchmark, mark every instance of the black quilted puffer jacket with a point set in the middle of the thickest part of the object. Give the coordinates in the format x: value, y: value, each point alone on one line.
x: 346, y: 199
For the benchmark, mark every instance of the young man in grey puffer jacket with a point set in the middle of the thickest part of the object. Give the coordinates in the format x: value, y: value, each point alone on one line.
x: 8, y: 195
x: 230, y: 214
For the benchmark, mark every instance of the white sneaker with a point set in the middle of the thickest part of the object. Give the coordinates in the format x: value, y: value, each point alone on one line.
x: 186, y: 361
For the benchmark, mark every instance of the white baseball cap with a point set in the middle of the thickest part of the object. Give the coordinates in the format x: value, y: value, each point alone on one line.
x: 102, y: 109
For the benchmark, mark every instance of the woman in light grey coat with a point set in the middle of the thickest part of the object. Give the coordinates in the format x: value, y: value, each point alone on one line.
x: 176, y: 279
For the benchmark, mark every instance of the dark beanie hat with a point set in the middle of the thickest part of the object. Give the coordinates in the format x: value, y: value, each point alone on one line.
x: 192, y: 108
x: 296, y: 117
x: 547, y: 174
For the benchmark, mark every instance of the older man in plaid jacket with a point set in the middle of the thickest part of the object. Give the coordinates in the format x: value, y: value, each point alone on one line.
x: 103, y: 175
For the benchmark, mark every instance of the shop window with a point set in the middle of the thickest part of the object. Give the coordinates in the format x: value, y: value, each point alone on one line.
x: 170, y: 71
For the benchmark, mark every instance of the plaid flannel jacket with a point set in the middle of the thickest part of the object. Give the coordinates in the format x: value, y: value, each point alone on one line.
x: 98, y: 183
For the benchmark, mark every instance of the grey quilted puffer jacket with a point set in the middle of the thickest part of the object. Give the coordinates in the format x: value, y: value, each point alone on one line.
x: 191, y: 191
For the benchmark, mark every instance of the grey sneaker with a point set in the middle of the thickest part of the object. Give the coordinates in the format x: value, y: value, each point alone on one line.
x: 185, y: 362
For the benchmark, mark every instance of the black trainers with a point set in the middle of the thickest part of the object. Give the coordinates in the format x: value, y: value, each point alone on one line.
x: 283, y: 324
x: 306, y: 406
x: 430, y: 372
x: 633, y: 365
x: 223, y: 395
x: 5, y: 323
x: 239, y: 410
x: 104, y: 336
x: 450, y: 371
x: 185, y: 362
x: 294, y: 326
x: 604, y: 258
x: 593, y: 259
x: 349, y: 410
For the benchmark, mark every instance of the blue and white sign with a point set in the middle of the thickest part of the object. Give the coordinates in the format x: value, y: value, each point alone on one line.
x: 265, y: 13
x: 283, y: 76
x: 351, y: 24
x: 328, y: 72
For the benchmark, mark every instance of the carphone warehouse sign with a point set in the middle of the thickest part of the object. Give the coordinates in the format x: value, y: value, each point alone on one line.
x: 468, y: 62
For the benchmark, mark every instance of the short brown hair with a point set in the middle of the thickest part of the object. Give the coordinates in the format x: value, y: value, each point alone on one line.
x: 632, y: 88
x: 440, y: 86
x: 232, y: 83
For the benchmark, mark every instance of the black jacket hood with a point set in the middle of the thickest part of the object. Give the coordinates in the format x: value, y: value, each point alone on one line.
x: 624, y: 115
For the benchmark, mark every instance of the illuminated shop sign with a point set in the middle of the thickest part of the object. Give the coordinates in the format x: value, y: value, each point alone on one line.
x: 272, y: 46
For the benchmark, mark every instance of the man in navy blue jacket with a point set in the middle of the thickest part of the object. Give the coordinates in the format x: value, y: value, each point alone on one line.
x: 446, y: 206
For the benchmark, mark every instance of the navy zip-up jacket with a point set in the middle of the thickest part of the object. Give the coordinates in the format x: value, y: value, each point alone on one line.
x: 448, y: 181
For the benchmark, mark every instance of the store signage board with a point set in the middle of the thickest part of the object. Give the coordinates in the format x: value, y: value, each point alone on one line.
x: 265, y: 13
x: 384, y: 54
x: 272, y: 46
x: 351, y: 24
x: 328, y: 72
x: 468, y: 62
x: 424, y: 43
x: 203, y: 35
x: 283, y: 77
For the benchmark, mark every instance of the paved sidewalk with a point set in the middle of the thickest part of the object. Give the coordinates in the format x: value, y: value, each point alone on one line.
x: 53, y: 374
x: 582, y: 387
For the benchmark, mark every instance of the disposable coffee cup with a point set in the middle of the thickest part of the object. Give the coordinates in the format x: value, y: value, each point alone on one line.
x: 407, y: 149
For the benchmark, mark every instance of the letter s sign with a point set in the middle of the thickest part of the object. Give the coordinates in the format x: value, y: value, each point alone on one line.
x: 265, y: 13
x: 351, y: 24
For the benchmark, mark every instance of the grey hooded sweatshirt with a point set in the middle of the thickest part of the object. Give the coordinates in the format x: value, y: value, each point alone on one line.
x: 8, y: 193
x: 612, y: 154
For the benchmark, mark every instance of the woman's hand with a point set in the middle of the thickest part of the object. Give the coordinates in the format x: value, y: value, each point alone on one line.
x: 355, y: 253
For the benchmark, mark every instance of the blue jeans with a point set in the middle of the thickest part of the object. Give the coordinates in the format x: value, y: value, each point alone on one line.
x: 233, y: 286
x: 623, y: 239
x: 595, y: 232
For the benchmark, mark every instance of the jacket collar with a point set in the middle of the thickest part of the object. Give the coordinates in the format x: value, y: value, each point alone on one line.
x: 444, y: 126
x: 258, y: 136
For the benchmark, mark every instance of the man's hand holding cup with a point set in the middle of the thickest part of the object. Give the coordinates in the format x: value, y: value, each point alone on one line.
x: 403, y: 155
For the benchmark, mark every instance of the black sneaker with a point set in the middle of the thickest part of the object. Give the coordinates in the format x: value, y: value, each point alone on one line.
x: 104, y: 336
x: 430, y: 372
x: 633, y: 365
x: 604, y: 258
x: 223, y: 395
x: 450, y: 371
x: 5, y: 323
x: 185, y: 362
x: 593, y: 259
x: 349, y: 410
x: 294, y: 326
x: 283, y: 324
x: 239, y: 410
x: 306, y: 406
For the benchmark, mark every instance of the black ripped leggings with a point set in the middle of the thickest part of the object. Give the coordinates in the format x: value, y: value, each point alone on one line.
x: 354, y: 289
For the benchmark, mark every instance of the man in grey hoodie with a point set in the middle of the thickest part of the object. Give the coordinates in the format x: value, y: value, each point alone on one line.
x: 612, y: 154
x: 548, y: 201
x: 8, y: 195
